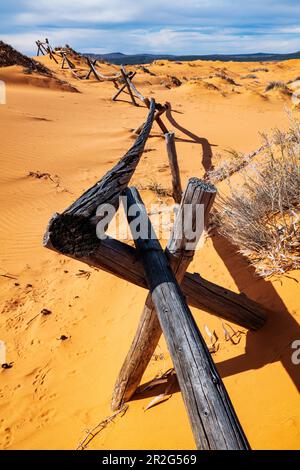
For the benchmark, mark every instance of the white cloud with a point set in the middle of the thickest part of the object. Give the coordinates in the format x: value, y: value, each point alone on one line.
x: 169, y: 26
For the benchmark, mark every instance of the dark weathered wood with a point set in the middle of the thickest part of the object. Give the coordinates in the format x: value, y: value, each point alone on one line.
x: 149, y: 331
x: 98, y: 75
x: 126, y: 80
x: 51, y: 54
x: 82, y: 213
x: 159, y: 112
x: 173, y: 161
x: 213, y: 420
x: 131, y: 75
x: 94, y: 62
x: 122, y: 260
x: 70, y: 65
x: 133, y: 87
x: 40, y: 49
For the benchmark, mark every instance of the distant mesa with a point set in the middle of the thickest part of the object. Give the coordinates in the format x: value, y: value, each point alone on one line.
x: 133, y: 59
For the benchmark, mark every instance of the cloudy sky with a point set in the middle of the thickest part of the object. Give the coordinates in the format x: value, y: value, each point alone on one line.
x: 156, y: 26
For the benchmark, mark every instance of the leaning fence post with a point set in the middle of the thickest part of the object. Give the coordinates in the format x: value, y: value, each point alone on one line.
x: 149, y: 331
x: 213, y: 420
x: 173, y: 161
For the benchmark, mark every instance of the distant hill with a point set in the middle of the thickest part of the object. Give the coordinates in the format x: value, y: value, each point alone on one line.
x: 119, y: 58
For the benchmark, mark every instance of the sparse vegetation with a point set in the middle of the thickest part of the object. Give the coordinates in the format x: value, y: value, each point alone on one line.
x: 259, y: 69
x: 226, y: 78
x: 278, y: 85
x: 262, y: 215
x: 249, y: 75
x: 232, y: 163
x: 156, y: 188
x: 9, y: 56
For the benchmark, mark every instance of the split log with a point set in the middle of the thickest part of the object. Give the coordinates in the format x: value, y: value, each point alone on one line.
x: 122, y: 260
x: 93, y: 62
x: 133, y: 87
x: 70, y: 65
x: 81, y: 215
x: 51, y: 54
x: 213, y: 420
x: 100, y: 76
x: 173, y: 160
x: 41, y: 48
x: 149, y: 331
x: 159, y: 112
x: 131, y: 75
x: 92, y: 68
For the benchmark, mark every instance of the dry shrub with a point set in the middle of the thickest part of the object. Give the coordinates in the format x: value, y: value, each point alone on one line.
x: 279, y: 85
x: 260, y: 69
x: 156, y: 188
x: 232, y: 163
x: 261, y: 216
x: 249, y: 75
x: 226, y: 78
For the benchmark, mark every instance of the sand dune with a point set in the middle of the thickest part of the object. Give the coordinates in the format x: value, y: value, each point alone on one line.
x: 58, y: 388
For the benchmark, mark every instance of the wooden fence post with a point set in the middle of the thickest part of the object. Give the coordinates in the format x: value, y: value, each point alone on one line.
x: 173, y: 161
x: 126, y: 80
x: 213, y: 420
x: 149, y: 331
x: 131, y: 75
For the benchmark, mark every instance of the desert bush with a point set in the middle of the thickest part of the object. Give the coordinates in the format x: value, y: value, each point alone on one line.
x: 249, y: 75
x: 259, y: 69
x: 232, y: 163
x: 156, y: 188
x: 278, y: 85
x: 261, y: 216
x: 226, y: 78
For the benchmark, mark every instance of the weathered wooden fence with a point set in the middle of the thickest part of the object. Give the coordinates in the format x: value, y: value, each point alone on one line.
x: 73, y: 233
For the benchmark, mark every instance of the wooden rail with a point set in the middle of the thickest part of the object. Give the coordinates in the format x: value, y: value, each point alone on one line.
x: 73, y: 233
x: 212, y: 417
x: 149, y: 331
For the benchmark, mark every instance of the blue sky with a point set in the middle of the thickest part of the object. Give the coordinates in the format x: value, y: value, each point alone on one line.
x: 166, y: 26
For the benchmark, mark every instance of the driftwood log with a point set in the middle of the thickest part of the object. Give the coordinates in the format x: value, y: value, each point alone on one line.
x: 213, y: 420
x: 149, y: 331
x: 173, y: 161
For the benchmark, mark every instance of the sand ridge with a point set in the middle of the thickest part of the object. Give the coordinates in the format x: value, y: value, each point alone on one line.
x: 58, y: 388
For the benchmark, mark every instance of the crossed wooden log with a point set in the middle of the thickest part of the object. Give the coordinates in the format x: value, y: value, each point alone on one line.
x: 45, y: 48
x: 73, y: 233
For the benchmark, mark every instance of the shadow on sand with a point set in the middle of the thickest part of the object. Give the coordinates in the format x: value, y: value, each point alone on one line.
x: 273, y: 342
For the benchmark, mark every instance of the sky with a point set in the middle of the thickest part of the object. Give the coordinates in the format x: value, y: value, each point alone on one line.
x: 153, y: 26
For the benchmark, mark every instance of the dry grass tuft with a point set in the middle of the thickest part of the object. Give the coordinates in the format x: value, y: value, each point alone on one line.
x: 262, y: 216
x: 279, y: 86
x: 259, y: 69
x: 156, y: 188
x: 249, y: 75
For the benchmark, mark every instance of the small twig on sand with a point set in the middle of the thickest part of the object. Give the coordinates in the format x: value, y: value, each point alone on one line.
x: 9, y: 276
x: 91, y: 433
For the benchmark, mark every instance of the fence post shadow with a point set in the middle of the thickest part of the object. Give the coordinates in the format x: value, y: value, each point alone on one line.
x: 273, y: 342
x: 207, y: 153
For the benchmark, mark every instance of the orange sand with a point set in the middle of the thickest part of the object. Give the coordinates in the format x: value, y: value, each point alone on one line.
x: 56, y: 390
